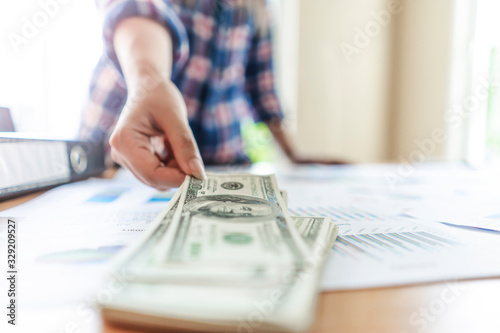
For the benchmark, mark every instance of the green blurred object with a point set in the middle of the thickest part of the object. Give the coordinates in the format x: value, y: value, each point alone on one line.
x: 493, y: 112
x: 257, y: 141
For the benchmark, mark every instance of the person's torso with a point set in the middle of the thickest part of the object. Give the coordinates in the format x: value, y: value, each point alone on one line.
x: 213, y: 79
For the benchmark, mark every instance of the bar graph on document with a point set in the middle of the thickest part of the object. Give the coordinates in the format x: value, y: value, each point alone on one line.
x: 353, y: 220
x: 338, y: 214
x: 415, y: 254
x: 378, y: 245
x: 373, y: 250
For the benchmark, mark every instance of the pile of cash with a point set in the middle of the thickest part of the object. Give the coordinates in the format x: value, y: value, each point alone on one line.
x: 224, y: 256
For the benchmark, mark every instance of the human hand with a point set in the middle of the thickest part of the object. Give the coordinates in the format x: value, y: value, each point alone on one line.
x: 158, y: 112
x: 155, y: 109
x: 314, y: 160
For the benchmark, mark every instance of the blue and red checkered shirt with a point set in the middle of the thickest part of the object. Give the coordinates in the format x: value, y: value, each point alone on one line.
x: 222, y: 66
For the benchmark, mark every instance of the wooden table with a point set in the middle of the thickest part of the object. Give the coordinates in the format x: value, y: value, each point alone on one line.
x: 455, y: 307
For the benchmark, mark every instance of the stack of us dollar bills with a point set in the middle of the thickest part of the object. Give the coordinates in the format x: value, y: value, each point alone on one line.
x: 224, y: 256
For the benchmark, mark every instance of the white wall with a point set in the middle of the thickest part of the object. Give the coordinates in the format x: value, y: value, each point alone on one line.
x: 45, y: 78
x: 423, y: 47
x: 343, y: 101
x: 374, y: 87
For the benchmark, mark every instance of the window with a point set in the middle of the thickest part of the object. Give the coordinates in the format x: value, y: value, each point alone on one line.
x: 484, y: 129
x: 49, y: 48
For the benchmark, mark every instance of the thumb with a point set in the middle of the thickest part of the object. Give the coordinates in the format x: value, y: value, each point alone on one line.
x: 184, y: 147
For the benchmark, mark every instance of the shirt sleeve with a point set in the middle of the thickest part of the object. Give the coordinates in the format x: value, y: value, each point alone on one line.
x: 260, y: 77
x: 161, y: 11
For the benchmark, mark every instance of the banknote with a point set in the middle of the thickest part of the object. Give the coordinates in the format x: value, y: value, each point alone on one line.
x: 188, y: 304
x: 317, y: 232
x: 314, y: 230
x: 284, y: 196
x: 227, y: 227
x: 231, y: 239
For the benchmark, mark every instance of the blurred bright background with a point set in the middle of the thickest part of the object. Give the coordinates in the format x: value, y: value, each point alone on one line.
x: 401, y: 81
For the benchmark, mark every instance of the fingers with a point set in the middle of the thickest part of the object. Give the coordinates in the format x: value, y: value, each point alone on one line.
x: 152, y: 173
x: 162, y: 114
x: 137, y: 157
x: 183, y: 144
x: 186, y: 153
x: 148, y: 169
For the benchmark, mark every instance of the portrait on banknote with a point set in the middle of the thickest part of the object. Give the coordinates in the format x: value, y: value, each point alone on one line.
x: 233, y: 207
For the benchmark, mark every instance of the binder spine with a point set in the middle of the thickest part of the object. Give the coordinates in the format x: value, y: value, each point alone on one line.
x: 28, y: 165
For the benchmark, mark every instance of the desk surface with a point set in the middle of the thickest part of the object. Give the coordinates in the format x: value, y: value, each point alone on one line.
x: 463, y: 306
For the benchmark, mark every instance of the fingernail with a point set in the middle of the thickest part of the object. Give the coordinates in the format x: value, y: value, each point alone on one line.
x: 197, y: 168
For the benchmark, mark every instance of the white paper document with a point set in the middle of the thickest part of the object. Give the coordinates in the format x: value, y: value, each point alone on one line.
x: 383, y: 241
x: 389, y: 235
x: 69, y: 234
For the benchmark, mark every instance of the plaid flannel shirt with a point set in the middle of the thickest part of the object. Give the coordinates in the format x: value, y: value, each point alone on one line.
x: 221, y: 65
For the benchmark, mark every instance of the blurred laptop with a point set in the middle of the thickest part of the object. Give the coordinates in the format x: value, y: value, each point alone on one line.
x: 6, y: 124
